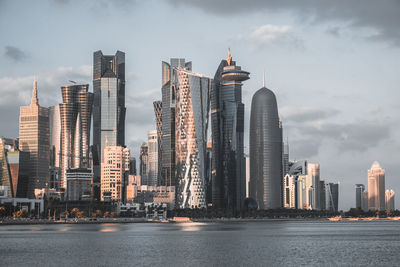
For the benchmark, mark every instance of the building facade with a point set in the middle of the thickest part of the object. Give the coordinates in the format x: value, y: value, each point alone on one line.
x: 158, y: 117
x: 55, y: 146
x: 191, y: 128
x: 75, y: 116
x: 34, y: 137
x: 376, y: 187
x: 332, y: 194
x: 79, y: 182
x: 152, y: 170
x: 389, y: 199
x: 265, y: 150
x: 114, y: 173
x: 109, y: 104
x: 144, y: 163
x: 169, y: 83
x: 360, y: 188
x: 227, y: 119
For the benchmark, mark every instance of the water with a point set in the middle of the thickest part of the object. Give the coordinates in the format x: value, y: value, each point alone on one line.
x: 272, y: 243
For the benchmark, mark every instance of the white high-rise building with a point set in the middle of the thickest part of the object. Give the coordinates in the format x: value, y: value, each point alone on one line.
x: 114, y: 172
x: 376, y: 187
x: 389, y: 199
x: 152, y: 167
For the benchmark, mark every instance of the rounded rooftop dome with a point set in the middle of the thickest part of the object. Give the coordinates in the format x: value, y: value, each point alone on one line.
x: 376, y: 165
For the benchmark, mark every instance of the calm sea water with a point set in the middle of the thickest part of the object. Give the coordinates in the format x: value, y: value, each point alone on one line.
x: 274, y: 243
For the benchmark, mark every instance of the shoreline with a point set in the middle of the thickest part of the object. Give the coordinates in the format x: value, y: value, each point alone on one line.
x: 202, y: 220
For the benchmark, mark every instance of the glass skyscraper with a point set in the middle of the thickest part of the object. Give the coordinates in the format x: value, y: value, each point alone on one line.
x: 265, y: 150
x: 34, y: 138
x: 168, y: 81
x: 227, y: 116
x: 109, y: 104
x: 191, y: 124
x: 75, y: 114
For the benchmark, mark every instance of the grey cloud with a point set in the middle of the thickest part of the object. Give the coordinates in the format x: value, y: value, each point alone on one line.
x: 14, y: 53
x: 301, y: 115
x: 383, y: 16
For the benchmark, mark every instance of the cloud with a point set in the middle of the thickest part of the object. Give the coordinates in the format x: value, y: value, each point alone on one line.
x: 301, y: 115
x: 265, y: 35
x: 15, y: 54
x: 380, y: 16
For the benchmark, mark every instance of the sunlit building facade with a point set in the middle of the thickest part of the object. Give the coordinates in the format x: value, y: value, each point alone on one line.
x: 152, y: 167
x: 227, y: 120
x: 169, y: 81
x: 389, y: 199
x: 144, y: 163
x: 157, y: 105
x: 75, y: 115
x: 191, y: 127
x: 55, y: 146
x: 114, y: 173
x: 34, y: 137
x: 376, y: 187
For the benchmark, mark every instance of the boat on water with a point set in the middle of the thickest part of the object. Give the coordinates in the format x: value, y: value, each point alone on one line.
x: 335, y: 219
x: 181, y: 220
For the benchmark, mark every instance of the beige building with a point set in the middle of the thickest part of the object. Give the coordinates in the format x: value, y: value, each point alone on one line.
x: 376, y: 187
x: 114, y: 172
x: 389, y: 199
x: 34, y: 138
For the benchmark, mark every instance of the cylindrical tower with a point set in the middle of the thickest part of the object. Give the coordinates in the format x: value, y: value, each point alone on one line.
x: 265, y: 150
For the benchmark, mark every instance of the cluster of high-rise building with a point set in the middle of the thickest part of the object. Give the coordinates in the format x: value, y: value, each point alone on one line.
x: 376, y: 198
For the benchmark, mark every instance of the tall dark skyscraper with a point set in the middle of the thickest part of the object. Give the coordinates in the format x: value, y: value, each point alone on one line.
x: 158, y: 116
x: 109, y: 104
x: 75, y: 115
x: 265, y: 150
x: 227, y: 119
x: 169, y: 83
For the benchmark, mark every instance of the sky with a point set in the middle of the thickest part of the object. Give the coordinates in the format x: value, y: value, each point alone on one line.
x: 333, y: 65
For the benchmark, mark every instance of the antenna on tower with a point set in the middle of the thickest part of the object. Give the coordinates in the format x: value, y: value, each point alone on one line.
x: 263, y: 78
x: 72, y: 81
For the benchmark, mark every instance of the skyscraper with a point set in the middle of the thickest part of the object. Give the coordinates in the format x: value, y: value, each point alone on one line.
x: 144, y: 163
x: 227, y: 119
x: 152, y: 170
x: 360, y: 188
x: 376, y: 187
x: 191, y: 127
x: 322, y: 195
x: 332, y: 193
x: 389, y: 199
x: 109, y: 104
x: 55, y: 146
x: 75, y: 114
x: 313, y: 184
x: 114, y: 173
x: 5, y: 175
x: 265, y: 150
x: 168, y: 81
x: 158, y: 116
x: 34, y: 138
x: 132, y: 166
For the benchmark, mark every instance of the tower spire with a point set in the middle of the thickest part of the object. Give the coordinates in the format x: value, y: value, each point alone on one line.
x: 263, y: 78
x: 35, y: 100
x: 229, y: 59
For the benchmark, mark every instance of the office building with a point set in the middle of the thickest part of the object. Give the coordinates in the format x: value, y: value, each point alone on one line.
x: 247, y: 160
x: 389, y: 199
x: 152, y: 167
x: 169, y: 83
x: 376, y: 187
x: 364, y: 205
x: 55, y: 146
x: 191, y: 127
x: 79, y: 182
x: 158, y: 116
x: 144, y: 163
x: 132, y: 166
x: 114, y: 173
x: 75, y: 116
x: 332, y: 194
x: 289, y: 191
x: 265, y: 150
x: 227, y: 120
x: 34, y: 137
x: 360, y: 188
x: 109, y: 104
x: 322, y: 195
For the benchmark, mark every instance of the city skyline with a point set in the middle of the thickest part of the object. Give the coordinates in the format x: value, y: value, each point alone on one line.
x: 365, y: 134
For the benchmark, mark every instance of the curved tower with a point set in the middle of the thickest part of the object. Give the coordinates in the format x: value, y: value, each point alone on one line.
x: 265, y: 150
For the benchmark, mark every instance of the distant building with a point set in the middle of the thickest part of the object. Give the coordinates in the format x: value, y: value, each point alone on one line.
x: 33, y: 206
x: 289, y: 191
x: 360, y: 188
x: 55, y: 147
x: 144, y: 163
x: 247, y: 160
x: 364, y: 205
x: 389, y: 199
x: 158, y: 116
x: 132, y: 166
x: 114, y: 173
x: 34, y: 138
x: 376, y: 187
x: 322, y: 195
x: 332, y: 194
x: 79, y: 182
x: 266, y: 155
x: 152, y: 167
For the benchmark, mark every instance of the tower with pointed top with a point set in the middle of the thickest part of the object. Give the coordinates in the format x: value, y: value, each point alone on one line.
x: 266, y: 157
x: 34, y: 138
x: 376, y: 187
x: 227, y: 120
